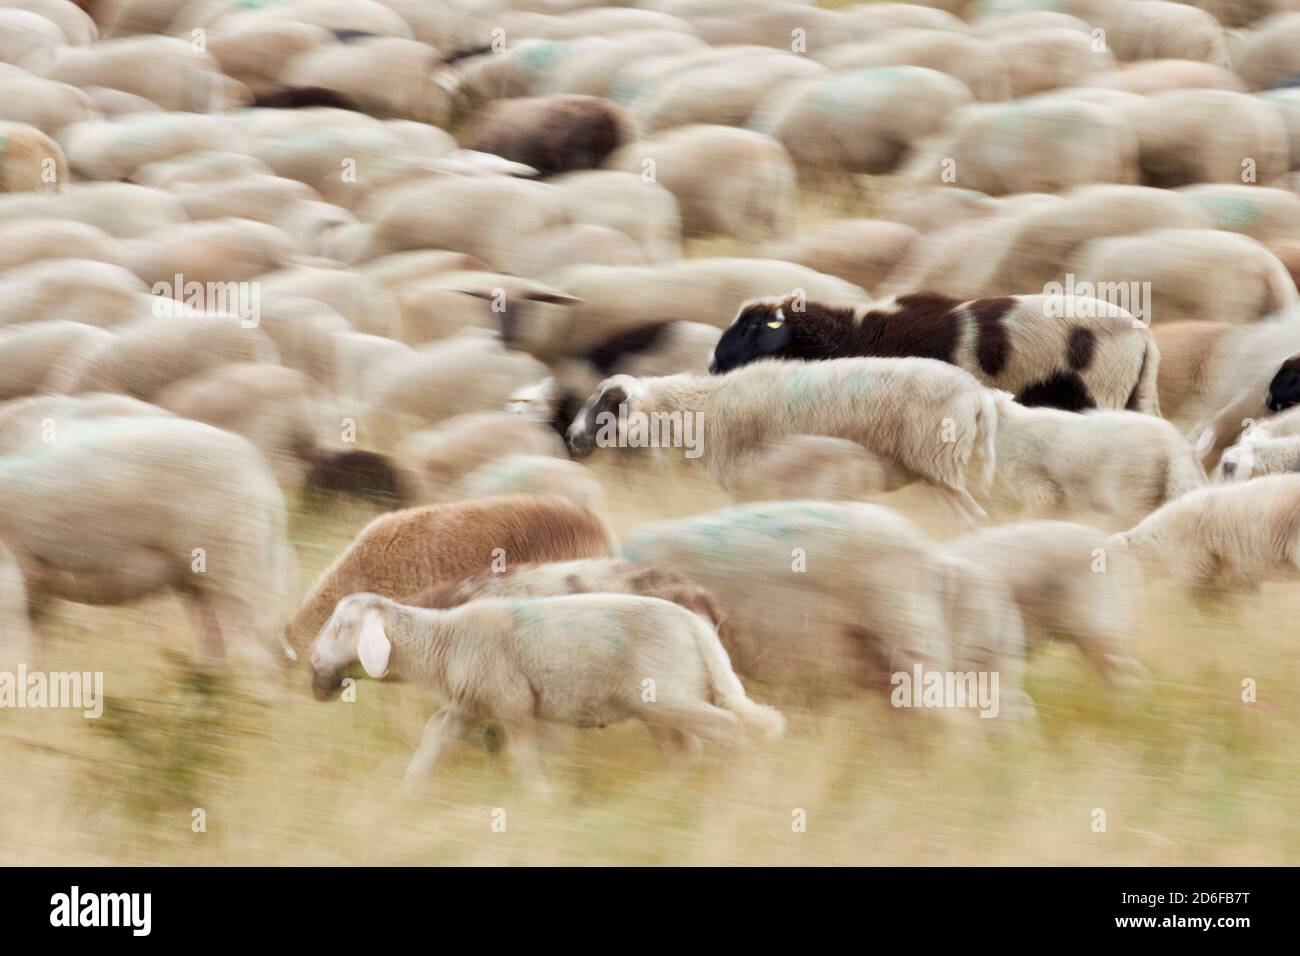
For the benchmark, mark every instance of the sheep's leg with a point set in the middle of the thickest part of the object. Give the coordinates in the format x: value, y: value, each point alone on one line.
x: 441, y: 728
x: 679, y: 747
x: 525, y: 751
x: 211, y: 652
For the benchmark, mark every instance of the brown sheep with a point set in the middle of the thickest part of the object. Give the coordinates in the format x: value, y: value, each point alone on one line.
x: 552, y: 134
x: 408, y: 551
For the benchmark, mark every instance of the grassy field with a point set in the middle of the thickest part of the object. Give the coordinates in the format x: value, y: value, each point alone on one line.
x: 1185, y: 771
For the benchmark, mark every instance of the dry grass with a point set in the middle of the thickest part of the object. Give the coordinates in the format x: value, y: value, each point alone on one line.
x: 1186, y: 772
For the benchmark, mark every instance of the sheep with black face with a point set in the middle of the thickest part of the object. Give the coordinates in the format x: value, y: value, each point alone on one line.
x: 1064, y: 352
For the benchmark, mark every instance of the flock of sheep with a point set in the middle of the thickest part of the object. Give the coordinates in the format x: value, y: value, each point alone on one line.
x: 434, y: 253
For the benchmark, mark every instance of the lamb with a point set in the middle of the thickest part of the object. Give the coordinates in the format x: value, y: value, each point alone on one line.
x: 1065, y: 352
x: 119, y: 508
x: 817, y: 592
x: 727, y: 181
x: 405, y: 552
x: 31, y: 162
x: 603, y: 650
x: 552, y: 134
x: 1067, y: 585
x: 931, y: 419
x: 1114, y: 463
x: 1223, y: 537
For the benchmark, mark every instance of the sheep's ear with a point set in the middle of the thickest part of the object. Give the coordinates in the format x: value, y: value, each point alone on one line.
x: 374, y: 647
x: 1204, y: 443
x: 476, y: 293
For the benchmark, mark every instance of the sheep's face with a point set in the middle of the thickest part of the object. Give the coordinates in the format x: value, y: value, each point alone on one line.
x: 597, y: 422
x: 1284, y: 390
x: 759, y: 331
x: 348, y: 637
x: 1237, y: 463
x: 535, y: 402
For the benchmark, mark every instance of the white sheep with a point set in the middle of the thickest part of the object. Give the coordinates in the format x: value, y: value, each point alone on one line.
x: 1068, y: 585
x: 584, y: 660
x: 76, y: 290
x: 1118, y: 463
x: 119, y: 508
x: 273, y: 407
x: 534, y: 475
x: 1223, y: 537
x: 438, y: 458
x: 814, y: 593
x: 29, y: 352
x: 150, y: 353
x: 727, y: 181
x: 446, y: 378
x: 933, y: 420
x: 122, y: 210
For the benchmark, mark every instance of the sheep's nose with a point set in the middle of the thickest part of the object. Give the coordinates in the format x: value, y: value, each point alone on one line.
x: 1229, y: 469
x: 713, y: 365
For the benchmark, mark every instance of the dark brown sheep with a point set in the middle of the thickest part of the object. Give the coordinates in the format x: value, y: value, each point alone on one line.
x: 552, y: 134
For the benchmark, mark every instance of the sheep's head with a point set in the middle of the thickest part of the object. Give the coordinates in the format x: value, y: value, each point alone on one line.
x: 1237, y: 463
x: 597, y: 422
x: 355, y: 632
x: 760, y: 330
x: 1284, y: 390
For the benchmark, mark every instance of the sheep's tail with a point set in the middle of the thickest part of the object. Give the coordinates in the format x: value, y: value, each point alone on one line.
x: 1145, y: 396
x: 728, y: 690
